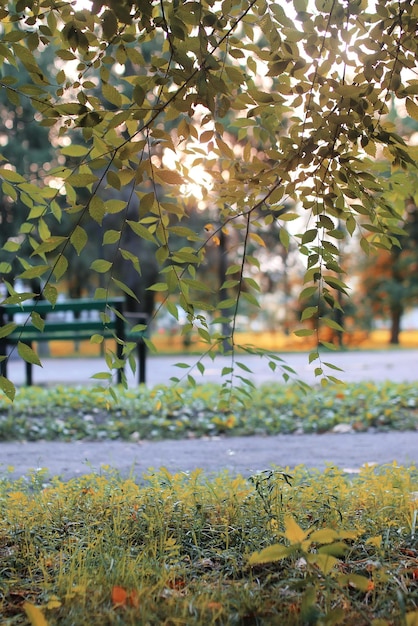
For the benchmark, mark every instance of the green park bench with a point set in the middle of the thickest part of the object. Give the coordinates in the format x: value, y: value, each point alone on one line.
x: 71, y: 320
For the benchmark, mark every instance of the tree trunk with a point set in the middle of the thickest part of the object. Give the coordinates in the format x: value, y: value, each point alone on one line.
x: 395, y: 328
x: 223, y: 293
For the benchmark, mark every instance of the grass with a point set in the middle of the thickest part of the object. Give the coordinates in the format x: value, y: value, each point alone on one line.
x: 63, y: 413
x: 278, y: 549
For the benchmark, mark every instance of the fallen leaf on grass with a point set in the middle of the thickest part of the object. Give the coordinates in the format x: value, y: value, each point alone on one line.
x: 35, y: 614
x: 176, y: 583
x: 121, y: 597
x: 54, y: 603
x: 214, y: 606
x: 412, y: 619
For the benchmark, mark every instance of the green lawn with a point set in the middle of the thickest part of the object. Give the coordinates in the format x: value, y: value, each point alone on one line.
x: 176, y: 412
x: 307, y: 548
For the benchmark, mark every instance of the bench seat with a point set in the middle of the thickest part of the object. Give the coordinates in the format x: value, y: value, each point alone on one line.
x: 70, y: 320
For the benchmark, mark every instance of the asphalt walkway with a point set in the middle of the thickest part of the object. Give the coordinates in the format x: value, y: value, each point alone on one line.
x: 395, y: 365
x: 243, y: 455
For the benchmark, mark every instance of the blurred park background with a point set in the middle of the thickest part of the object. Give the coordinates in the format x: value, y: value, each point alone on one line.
x: 380, y: 310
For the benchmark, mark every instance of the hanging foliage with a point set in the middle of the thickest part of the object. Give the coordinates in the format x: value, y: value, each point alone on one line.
x: 281, y: 104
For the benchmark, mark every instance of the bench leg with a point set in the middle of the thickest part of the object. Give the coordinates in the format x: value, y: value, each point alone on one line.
x: 142, y: 354
x: 120, y: 370
x: 28, y: 367
x: 3, y: 362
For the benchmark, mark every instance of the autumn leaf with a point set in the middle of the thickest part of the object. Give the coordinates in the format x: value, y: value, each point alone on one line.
x: 293, y: 532
x: 122, y: 597
x: 133, y: 599
x: 214, y: 606
x: 119, y: 596
x: 34, y: 614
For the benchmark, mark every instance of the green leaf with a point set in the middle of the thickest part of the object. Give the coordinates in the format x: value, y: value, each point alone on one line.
x: 111, y: 94
x: 60, y: 267
x: 51, y: 293
x: 97, y: 209
x: 102, y: 376
x: 28, y: 354
x: 309, y: 235
x: 11, y: 175
x: 81, y: 180
x: 158, y: 287
x: 7, y: 329
x: 141, y: 231
x: 336, y: 283
x: 328, y: 345
x: 9, y: 190
x: 114, y: 206
x: 96, y: 338
x: 34, y: 272
x: 300, y: 5
x: 244, y: 367
x: 313, y: 356
x: 8, y: 388
x: 308, y: 292
x: 109, y: 24
x: 309, y: 312
x: 78, y: 239
x: 101, y: 266
x: 113, y: 179
x: 74, y: 150
x: 37, y: 320
x: 332, y: 324
x: 11, y: 246
x: 333, y: 367
x: 304, y: 332
x: 284, y: 238
x: 111, y: 236
x: 125, y: 288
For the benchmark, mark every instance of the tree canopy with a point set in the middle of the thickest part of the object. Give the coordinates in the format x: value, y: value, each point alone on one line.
x: 277, y: 110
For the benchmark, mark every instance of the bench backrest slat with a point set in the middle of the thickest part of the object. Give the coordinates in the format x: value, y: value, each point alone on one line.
x: 76, y: 305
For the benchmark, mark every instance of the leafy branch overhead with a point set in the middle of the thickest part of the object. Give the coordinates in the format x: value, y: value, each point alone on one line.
x: 284, y: 106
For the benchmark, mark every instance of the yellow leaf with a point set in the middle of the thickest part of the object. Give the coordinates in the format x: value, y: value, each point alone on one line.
x: 356, y: 580
x: 412, y: 618
x: 273, y: 553
x: 35, y: 614
x: 258, y: 239
x: 375, y: 541
x: 169, y: 176
x: 325, y: 562
x: 54, y: 603
x: 294, y: 533
x: 411, y: 108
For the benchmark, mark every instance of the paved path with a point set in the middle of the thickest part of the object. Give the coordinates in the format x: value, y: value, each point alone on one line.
x: 238, y: 455
x: 244, y: 455
x: 378, y: 366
